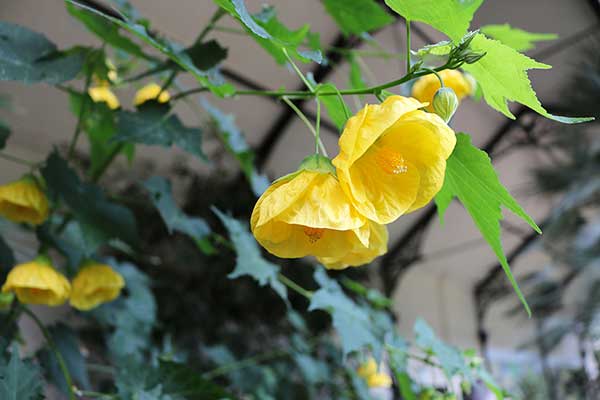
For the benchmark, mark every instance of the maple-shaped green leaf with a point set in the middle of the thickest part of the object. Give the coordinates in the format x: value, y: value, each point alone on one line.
x: 19, y: 380
x: 502, y: 76
x: 470, y: 176
x: 516, y: 38
x: 249, y: 259
x: 450, y: 359
x: 453, y: 17
x: 357, y: 16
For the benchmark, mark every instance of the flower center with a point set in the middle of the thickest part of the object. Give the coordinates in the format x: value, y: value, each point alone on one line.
x: 390, y: 161
x: 313, y: 234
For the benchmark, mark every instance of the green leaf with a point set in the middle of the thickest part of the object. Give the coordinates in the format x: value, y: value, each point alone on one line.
x: 237, y: 8
x: 153, y: 124
x: 471, y: 177
x: 453, y: 17
x: 397, y: 349
x: 173, y: 51
x: 351, y: 322
x: 249, y: 259
x: 100, y: 219
x: 105, y: 30
x: 30, y: 57
x: 450, y: 358
x: 355, y: 80
x: 7, y: 259
x: 334, y: 105
x: 236, y: 144
x: 207, y: 55
x: 4, y: 134
x: 516, y: 38
x: 175, y: 219
x: 19, y: 380
x: 357, y: 16
x: 502, y: 76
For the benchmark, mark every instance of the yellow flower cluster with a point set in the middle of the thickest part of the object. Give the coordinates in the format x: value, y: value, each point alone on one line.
x: 369, y: 372
x: 102, y: 93
x: 37, y: 282
x: 392, y: 161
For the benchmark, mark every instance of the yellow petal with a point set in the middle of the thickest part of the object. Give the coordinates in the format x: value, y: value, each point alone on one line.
x: 95, y: 284
x: 102, y: 94
x: 37, y: 282
x: 379, y: 380
x: 150, y: 92
x: 368, y: 368
x: 23, y: 201
x: 425, y: 87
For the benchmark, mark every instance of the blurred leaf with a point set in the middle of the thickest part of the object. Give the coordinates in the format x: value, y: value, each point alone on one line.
x: 450, y: 359
x: 374, y: 296
x: 153, y: 124
x: 502, y: 75
x: 207, y: 55
x: 19, y: 380
x: 174, y: 218
x: 358, y: 16
x: 30, y: 57
x: 398, y: 358
x: 70, y: 242
x: 249, y: 260
x: 355, y: 80
x: 236, y: 144
x: 471, y: 177
x: 351, y: 322
x: 453, y: 17
x: 335, y: 105
x: 100, y: 219
x: 516, y: 38
x: 67, y: 344
x: 7, y: 259
x: 106, y: 31
x: 4, y: 134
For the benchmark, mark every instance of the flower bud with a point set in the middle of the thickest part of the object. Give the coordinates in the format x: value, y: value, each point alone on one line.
x: 445, y: 103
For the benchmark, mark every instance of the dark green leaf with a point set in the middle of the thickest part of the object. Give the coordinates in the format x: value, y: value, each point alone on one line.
x: 4, y: 134
x: 100, y: 219
x: 249, y: 259
x: 179, y: 380
x: 358, y: 16
x: 335, y: 106
x: 19, y: 380
x: 174, y: 218
x: 207, y: 55
x: 7, y: 259
x: 70, y: 242
x: 30, y: 57
x: 153, y: 124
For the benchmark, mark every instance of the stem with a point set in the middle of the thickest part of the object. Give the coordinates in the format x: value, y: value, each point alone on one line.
x: 298, y: 72
x: 294, y: 286
x: 96, y: 175
x: 306, y: 122
x: 318, y: 127
x: 436, y: 74
x: 18, y: 160
x: 167, y: 83
x: 79, y: 126
x: 407, y: 46
x: 59, y: 357
x: 94, y: 395
x: 246, y: 362
x: 211, y: 25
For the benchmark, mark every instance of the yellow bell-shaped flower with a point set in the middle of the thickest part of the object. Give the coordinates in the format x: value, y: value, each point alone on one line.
x: 151, y: 91
x: 425, y: 87
x: 368, y: 371
x: 392, y: 158
x: 103, y: 94
x: 95, y: 284
x: 37, y: 282
x: 307, y: 213
x: 24, y: 201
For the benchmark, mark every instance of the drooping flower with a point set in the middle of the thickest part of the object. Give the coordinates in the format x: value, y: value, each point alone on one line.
x: 425, y: 87
x: 307, y: 213
x: 103, y: 94
x: 24, y: 201
x: 95, y: 284
x: 392, y: 158
x: 151, y: 91
x: 37, y: 282
x: 368, y: 371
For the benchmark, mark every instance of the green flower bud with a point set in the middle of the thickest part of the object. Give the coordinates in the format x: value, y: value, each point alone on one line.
x: 445, y: 103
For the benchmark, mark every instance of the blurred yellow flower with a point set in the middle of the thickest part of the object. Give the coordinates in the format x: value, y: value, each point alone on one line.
x: 103, y: 94
x: 307, y: 213
x: 392, y: 158
x: 150, y: 92
x: 23, y: 201
x: 95, y: 284
x: 37, y: 282
x: 425, y: 87
x: 368, y: 371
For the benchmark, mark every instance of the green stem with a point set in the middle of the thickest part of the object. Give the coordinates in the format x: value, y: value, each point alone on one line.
x: 18, y: 160
x: 79, y: 126
x: 94, y: 395
x: 298, y: 72
x: 436, y: 74
x: 294, y: 286
x: 318, y: 127
x: 220, y: 13
x: 168, y: 82
x: 97, y: 174
x: 61, y: 361
x: 306, y: 122
x: 407, y: 46
x: 246, y: 362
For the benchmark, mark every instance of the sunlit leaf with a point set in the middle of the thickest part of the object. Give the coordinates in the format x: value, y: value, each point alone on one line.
x: 516, y: 38
x: 358, y: 16
x: 470, y: 176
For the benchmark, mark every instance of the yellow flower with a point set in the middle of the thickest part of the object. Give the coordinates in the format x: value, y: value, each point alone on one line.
x: 23, y: 201
x: 37, y: 282
x: 95, y: 284
x: 150, y: 92
x: 425, y: 87
x: 103, y: 94
x: 368, y: 371
x: 307, y: 213
x: 359, y: 254
x: 392, y: 158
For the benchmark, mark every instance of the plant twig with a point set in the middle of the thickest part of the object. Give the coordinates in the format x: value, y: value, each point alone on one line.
x: 306, y: 122
x: 294, y: 286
